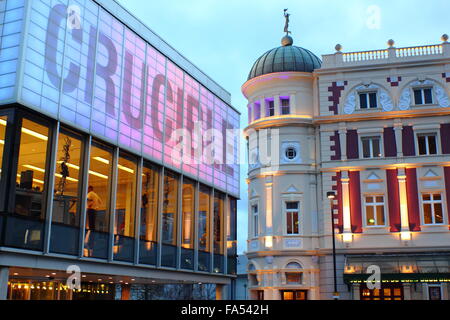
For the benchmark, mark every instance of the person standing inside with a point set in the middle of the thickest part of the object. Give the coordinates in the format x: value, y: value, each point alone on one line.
x: 93, y: 204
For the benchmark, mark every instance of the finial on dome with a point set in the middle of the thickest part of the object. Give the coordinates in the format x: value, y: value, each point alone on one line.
x: 287, y: 39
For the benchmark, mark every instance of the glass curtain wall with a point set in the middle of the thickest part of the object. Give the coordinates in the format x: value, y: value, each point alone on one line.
x: 25, y: 229
x: 3, y: 123
x: 124, y: 227
x: 97, y: 201
x: 204, y: 219
x: 169, y: 220
x: 65, y: 229
x: 188, y: 224
x: 219, y: 206
x: 149, y: 214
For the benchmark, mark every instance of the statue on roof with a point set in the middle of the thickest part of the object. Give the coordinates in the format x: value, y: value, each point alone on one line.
x: 286, y: 25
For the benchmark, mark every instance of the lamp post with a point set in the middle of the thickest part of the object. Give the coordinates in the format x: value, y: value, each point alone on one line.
x: 331, y: 195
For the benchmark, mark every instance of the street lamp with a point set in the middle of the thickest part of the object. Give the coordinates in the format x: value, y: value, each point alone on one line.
x: 331, y: 195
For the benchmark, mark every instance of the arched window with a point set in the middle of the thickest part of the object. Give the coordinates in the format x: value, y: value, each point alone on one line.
x: 296, y: 275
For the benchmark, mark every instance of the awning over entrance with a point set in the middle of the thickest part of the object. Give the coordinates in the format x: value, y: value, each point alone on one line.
x: 398, y: 268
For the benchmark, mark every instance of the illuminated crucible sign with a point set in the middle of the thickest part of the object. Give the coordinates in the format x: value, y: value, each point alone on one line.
x: 86, y: 68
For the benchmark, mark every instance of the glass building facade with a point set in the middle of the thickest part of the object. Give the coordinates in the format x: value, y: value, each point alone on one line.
x: 112, y: 149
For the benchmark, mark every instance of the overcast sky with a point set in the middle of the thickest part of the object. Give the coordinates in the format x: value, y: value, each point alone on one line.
x: 224, y: 37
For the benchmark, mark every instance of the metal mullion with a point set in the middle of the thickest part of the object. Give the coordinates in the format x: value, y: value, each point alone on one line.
x: 160, y: 209
x: 50, y: 176
x: 211, y: 231
x: 196, y: 210
x: 138, y: 211
x: 179, y: 220
x: 225, y: 233
x: 84, y: 188
x: 6, y: 160
x: 112, y: 200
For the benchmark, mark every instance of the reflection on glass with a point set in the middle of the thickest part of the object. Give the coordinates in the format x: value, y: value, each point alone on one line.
x: 219, y: 199
x: 2, y: 140
x: 125, y: 209
x: 27, y: 228
x: 204, y: 215
x: 97, y: 202
x: 187, y: 227
x: 66, y: 199
x: 149, y: 214
x: 169, y: 220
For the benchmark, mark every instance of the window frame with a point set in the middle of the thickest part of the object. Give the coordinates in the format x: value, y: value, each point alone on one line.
x: 367, y: 93
x: 371, y: 137
x: 256, y: 232
x: 7, y: 162
x: 374, y: 205
x: 427, y: 134
x: 422, y: 95
x: 432, y: 202
x: 286, y: 212
x: 270, y: 107
x: 288, y: 106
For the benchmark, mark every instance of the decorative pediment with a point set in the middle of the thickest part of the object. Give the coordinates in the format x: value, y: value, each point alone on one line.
x: 291, y: 189
x: 253, y: 193
x: 373, y: 176
x: 431, y: 174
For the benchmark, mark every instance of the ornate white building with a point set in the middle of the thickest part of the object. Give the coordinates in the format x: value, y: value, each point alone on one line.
x: 372, y: 128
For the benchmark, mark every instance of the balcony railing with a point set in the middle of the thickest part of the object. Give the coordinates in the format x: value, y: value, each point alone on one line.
x: 391, y: 54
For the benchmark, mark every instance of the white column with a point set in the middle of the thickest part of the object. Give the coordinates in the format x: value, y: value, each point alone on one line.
x: 346, y: 202
x: 403, y: 200
x: 294, y: 109
x: 4, y: 276
x: 398, y: 138
x: 343, y: 140
x: 276, y: 103
x: 269, y: 205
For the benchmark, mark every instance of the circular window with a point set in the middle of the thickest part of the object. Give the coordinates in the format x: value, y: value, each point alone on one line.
x: 291, y: 153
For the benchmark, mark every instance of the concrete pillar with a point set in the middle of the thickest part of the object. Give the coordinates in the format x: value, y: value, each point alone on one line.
x: 222, y: 292
x: 4, y: 276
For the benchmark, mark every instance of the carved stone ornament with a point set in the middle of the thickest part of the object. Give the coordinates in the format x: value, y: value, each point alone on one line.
x: 385, y: 99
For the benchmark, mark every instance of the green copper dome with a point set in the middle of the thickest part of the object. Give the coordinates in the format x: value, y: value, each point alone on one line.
x: 285, y: 59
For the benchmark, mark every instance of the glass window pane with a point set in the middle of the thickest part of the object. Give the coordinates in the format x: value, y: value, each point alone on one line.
x: 219, y: 199
x: 380, y: 216
x: 432, y: 148
x: 437, y: 196
x: 376, y: 147
x: 427, y: 213
x: 98, y: 197
x: 426, y: 197
x: 422, y: 145
x: 418, y: 96
x: 28, y: 231
x: 370, y: 216
x: 149, y: 214
x: 296, y: 222
x: 366, y: 148
x: 124, y: 227
x: 289, y: 222
x: 438, y: 217
x: 3, y: 122
x: 379, y: 199
x: 363, y: 100
x: 203, y: 219
x: 170, y: 207
x: 66, y: 199
x: 373, y: 99
x: 231, y: 236
x: 188, y: 209
x: 369, y: 199
x: 428, y: 96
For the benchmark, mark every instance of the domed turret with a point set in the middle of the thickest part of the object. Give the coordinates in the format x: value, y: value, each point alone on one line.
x: 285, y: 58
